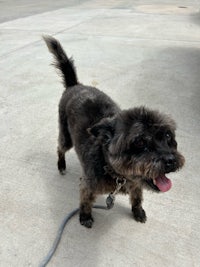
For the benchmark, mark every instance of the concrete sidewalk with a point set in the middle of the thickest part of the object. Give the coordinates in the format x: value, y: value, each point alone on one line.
x: 138, y: 52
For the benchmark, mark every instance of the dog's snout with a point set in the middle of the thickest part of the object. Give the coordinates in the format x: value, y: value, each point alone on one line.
x: 169, y: 159
x: 170, y: 162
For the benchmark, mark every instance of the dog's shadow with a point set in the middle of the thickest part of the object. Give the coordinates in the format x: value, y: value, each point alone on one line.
x: 84, y: 244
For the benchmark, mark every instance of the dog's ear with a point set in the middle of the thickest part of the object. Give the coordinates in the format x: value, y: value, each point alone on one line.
x: 103, y: 130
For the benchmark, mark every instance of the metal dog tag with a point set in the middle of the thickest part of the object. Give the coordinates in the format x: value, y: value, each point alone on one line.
x: 111, y: 197
x: 110, y: 201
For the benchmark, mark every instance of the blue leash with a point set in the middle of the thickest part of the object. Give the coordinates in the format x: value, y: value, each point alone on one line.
x: 56, y: 242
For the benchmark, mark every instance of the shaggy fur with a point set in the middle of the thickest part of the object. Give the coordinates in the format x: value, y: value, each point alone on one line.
x: 138, y: 144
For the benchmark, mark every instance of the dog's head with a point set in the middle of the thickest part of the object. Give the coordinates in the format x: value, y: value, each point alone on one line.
x: 140, y: 143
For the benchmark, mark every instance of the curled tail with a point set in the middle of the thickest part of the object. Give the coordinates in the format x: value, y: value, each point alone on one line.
x: 62, y: 62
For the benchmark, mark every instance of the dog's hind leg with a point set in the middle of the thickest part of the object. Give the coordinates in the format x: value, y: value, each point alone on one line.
x: 64, y: 144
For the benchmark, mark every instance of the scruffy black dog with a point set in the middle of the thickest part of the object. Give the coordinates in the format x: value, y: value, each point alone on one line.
x: 136, y: 144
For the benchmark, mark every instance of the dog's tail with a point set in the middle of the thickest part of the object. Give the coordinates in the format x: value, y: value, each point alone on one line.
x: 62, y: 62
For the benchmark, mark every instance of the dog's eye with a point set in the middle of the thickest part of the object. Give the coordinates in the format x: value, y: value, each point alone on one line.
x: 168, y: 136
x: 140, y: 143
x: 138, y: 146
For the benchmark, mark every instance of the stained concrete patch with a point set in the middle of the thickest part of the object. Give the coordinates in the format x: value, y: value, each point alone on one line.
x: 168, y: 9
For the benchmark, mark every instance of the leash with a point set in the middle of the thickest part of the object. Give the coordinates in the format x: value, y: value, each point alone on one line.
x: 109, y: 202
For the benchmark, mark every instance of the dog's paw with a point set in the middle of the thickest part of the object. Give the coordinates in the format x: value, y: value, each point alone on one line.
x: 62, y: 166
x: 62, y: 172
x: 86, y: 220
x: 139, y: 215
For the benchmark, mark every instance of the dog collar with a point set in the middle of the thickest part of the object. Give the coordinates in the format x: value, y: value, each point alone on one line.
x: 113, y: 174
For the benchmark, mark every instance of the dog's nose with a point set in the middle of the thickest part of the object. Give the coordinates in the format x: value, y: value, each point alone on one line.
x: 170, y: 163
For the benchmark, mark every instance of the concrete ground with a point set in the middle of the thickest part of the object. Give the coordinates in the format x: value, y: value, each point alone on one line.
x: 138, y: 52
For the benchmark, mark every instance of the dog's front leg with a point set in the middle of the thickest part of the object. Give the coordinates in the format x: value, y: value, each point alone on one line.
x: 87, y: 198
x: 136, y: 201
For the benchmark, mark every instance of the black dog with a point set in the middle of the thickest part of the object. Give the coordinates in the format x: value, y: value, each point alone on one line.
x: 137, y: 145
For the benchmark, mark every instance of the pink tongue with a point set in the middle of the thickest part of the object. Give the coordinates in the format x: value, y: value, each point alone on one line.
x: 163, y: 183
